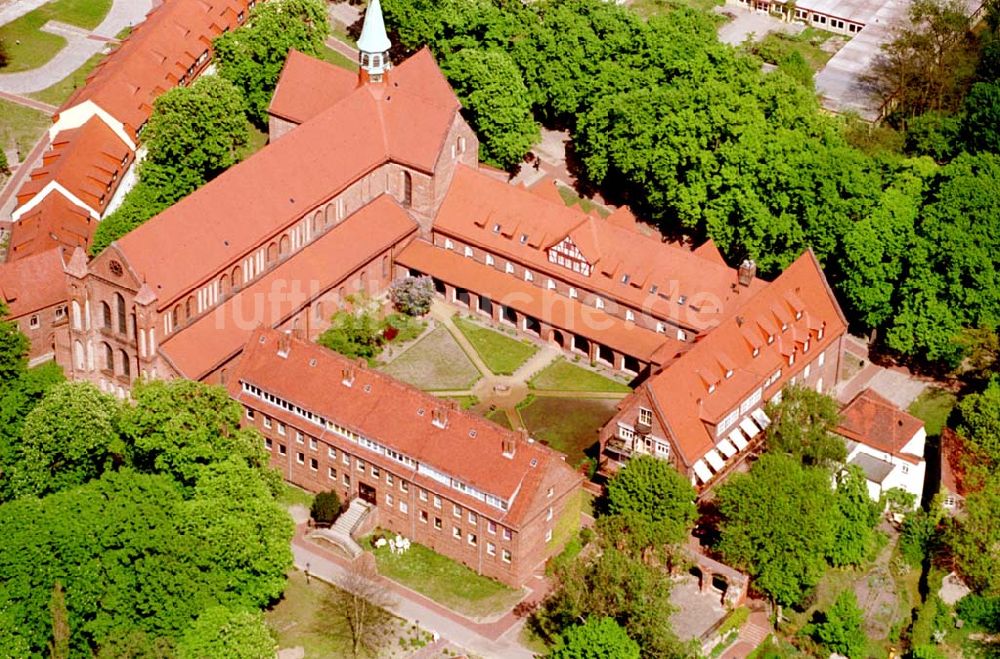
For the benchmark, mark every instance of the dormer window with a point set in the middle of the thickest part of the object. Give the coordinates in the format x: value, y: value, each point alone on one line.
x: 784, y: 327
x: 489, y: 259
x: 791, y: 359
x: 645, y: 416
x: 598, y: 303
x: 448, y: 244
x: 572, y: 293
x: 625, y: 278
x: 770, y: 339
x: 496, y: 228
x: 551, y: 285
x: 729, y: 373
x: 805, y: 346
x: 711, y: 388
x: 528, y: 276
x: 509, y: 268
x: 629, y: 315
x: 756, y: 351
x: 524, y: 238
x: 468, y: 251
x: 653, y: 289
x: 798, y: 315
x: 661, y: 328
x: 682, y: 299
x: 819, y: 334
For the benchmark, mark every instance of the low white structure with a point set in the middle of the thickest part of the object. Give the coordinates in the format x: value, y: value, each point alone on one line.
x: 886, y: 443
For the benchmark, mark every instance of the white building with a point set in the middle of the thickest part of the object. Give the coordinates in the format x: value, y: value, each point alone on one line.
x: 885, y: 442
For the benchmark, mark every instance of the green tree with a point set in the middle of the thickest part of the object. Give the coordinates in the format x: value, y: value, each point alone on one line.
x: 180, y: 427
x: 779, y: 523
x: 934, y: 134
x: 802, y: 426
x: 325, y: 508
x: 221, y: 633
x: 496, y: 104
x: 17, y: 399
x: 854, y: 527
x: 252, y: 57
x: 842, y: 630
x: 354, y: 333
x: 978, y: 422
x: 68, y: 439
x: 651, y: 506
x: 13, y: 348
x: 598, y: 638
x: 195, y: 132
x: 975, y: 538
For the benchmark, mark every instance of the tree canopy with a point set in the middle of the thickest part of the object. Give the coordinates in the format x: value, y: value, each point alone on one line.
x: 978, y: 422
x: 842, y: 630
x: 221, y: 633
x: 802, y: 426
x: 974, y: 538
x: 598, y: 638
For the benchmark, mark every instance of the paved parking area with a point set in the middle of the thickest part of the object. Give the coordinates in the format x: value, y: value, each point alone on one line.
x: 747, y: 22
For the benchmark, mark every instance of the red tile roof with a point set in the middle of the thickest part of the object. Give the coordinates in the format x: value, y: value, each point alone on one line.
x: 33, y: 283
x: 190, y: 242
x: 643, y: 272
x: 680, y: 391
x: 547, y: 306
x: 875, y: 421
x: 468, y: 448
x: 308, y: 86
x: 198, y: 349
x: 54, y: 222
x: 155, y: 57
x: 87, y: 161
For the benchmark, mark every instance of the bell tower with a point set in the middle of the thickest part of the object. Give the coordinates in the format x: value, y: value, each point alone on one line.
x: 373, y: 47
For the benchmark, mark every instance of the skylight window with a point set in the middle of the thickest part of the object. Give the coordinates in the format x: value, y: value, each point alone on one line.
x: 682, y: 299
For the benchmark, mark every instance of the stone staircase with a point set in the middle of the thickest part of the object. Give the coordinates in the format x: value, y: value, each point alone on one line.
x: 341, y: 533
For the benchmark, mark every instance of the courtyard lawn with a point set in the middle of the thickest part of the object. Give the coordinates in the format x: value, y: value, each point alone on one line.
x: 435, y: 363
x: 447, y: 582
x: 502, y: 354
x: 334, y: 57
x: 562, y: 375
x: 258, y: 140
x: 291, y: 495
x: 62, y: 90
x: 499, y: 417
x: 933, y: 407
x: 21, y: 126
x: 305, y: 617
x: 37, y: 47
x: 569, y: 425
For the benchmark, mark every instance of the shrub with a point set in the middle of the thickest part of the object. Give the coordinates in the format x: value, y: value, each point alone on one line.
x: 980, y: 611
x: 325, y: 508
x: 412, y: 295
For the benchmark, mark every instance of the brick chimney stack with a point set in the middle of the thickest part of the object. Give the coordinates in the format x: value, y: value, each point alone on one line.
x: 284, y: 344
x: 748, y: 270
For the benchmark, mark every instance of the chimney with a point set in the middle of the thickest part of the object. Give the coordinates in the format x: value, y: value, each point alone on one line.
x: 347, y: 375
x: 439, y: 416
x: 509, y: 444
x: 284, y: 344
x: 748, y: 270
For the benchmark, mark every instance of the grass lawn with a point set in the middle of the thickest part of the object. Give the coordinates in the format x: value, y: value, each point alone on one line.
x: 21, y: 125
x: 306, y: 617
x: 37, y: 47
x: 435, y: 363
x: 502, y: 354
x: 571, y: 198
x: 465, y: 402
x: 291, y: 495
x: 59, y: 92
x: 499, y: 417
x: 258, y: 139
x: 445, y: 581
x: 562, y: 375
x: 933, y: 406
x: 808, y: 43
x: 334, y: 57
x: 569, y: 425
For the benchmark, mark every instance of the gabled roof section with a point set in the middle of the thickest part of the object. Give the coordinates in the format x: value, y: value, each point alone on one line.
x: 308, y: 86
x: 641, y: 271
x: 198, y: 349
x: 34, y: 282
x: 461, y: 445
x: 87, y: 161
x: 54, y: 222
x: 224, y: 220
x: 873, y: 420
x: 156, y: 57
x: 693, y: 393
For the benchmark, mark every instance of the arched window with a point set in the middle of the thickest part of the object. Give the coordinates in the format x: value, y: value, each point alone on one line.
x: 175, y: 316
x: 237, y: 277
x: 125, y: 364
x: 342, y: 294
x: 318, y: 221
x: 363, y: 281
x: 407, y: 189
x: 331, y: 212
x: 223, y: 285
x: 385, y: 266
x: 77, y: 323
x: 189, y: 307
x: 142, y: 343
x: 105, y: 315
x: 284, y: 246
x: 120, y: 310
x: 109, y: 358
x: 78, y: 354
x: 272, y: 252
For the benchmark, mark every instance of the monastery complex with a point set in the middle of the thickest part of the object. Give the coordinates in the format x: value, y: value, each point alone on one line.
x: 369, y: 178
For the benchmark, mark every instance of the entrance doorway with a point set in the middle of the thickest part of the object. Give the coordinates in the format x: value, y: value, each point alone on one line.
x: 367, y: 493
